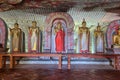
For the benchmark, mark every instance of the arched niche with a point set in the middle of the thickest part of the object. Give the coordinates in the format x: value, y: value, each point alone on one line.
x: 110, y: 32
x: 68, y: 25
x: 3, y: 33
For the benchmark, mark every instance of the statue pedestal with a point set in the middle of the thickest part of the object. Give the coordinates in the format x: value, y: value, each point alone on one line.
x: 116, y: 50
x: 116, y: 46
x: 113, y: 50
x: 109, y: 50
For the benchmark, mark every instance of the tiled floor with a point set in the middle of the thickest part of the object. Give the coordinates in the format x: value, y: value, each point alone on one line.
x: 50, y: 72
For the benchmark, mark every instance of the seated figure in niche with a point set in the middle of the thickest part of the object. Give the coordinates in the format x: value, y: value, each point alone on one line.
x: 84, y: 34
x: 16, y: 38
x: 116, y: 39
x: 59, y: 38
x: 99, y: 39
x: 34, y: 36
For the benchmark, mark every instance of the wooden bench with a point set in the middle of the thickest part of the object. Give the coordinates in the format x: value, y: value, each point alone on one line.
x: 115, y: 57
x: 96, y: 55
x: 14, y: 55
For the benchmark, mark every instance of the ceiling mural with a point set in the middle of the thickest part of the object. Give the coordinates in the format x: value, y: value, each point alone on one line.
x: 61, y: 5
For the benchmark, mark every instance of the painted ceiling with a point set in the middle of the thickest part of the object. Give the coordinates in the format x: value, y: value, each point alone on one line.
x: 61, y: 5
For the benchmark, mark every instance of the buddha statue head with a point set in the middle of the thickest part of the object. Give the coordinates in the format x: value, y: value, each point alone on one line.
x: 84, y: 23
x: 59, y: 25
x: 34, y: 23
x: 16, y: 25
x: 98, y: 27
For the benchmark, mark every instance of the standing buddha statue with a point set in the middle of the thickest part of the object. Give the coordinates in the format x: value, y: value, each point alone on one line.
x: 84, y: 35
x: 59, y: 38
x: 34, y: 35
x: 99, y: 39
x: 16, y: 38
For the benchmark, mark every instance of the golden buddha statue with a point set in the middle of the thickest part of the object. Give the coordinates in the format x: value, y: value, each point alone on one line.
x: 99, y: 39
x: 16, y: 37
x: 116, y: 40
x: 34, y: 36
x: 84, y: 35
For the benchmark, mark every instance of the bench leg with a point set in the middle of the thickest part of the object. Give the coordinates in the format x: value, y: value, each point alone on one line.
x: 110, y: 61
x: 69, y: 64
x: 12, y: 62
x: 60, y: 63
x: 115, y: 62
x: 4, y: 61
x: 1, y: 62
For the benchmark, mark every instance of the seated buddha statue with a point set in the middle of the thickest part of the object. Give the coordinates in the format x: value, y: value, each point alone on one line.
x: 116, y: 40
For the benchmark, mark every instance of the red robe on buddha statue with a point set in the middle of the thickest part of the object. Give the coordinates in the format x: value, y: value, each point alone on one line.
x: 59, y: 40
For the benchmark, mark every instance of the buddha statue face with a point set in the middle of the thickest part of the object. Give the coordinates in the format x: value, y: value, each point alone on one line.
x: 98, y: 28
x: 34, y: 23
x: 59, y: 26
x: 84, y: 24
x: 16, y: 25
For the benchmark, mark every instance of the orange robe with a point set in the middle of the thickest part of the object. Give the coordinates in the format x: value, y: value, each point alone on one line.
x: 59, y: 41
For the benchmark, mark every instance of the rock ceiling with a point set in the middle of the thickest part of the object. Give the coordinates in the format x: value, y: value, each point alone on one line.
x: 61, y: 5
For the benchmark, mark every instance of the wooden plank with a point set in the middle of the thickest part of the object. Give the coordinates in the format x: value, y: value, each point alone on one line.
x: 35, y: 55
x: 113, y: 56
